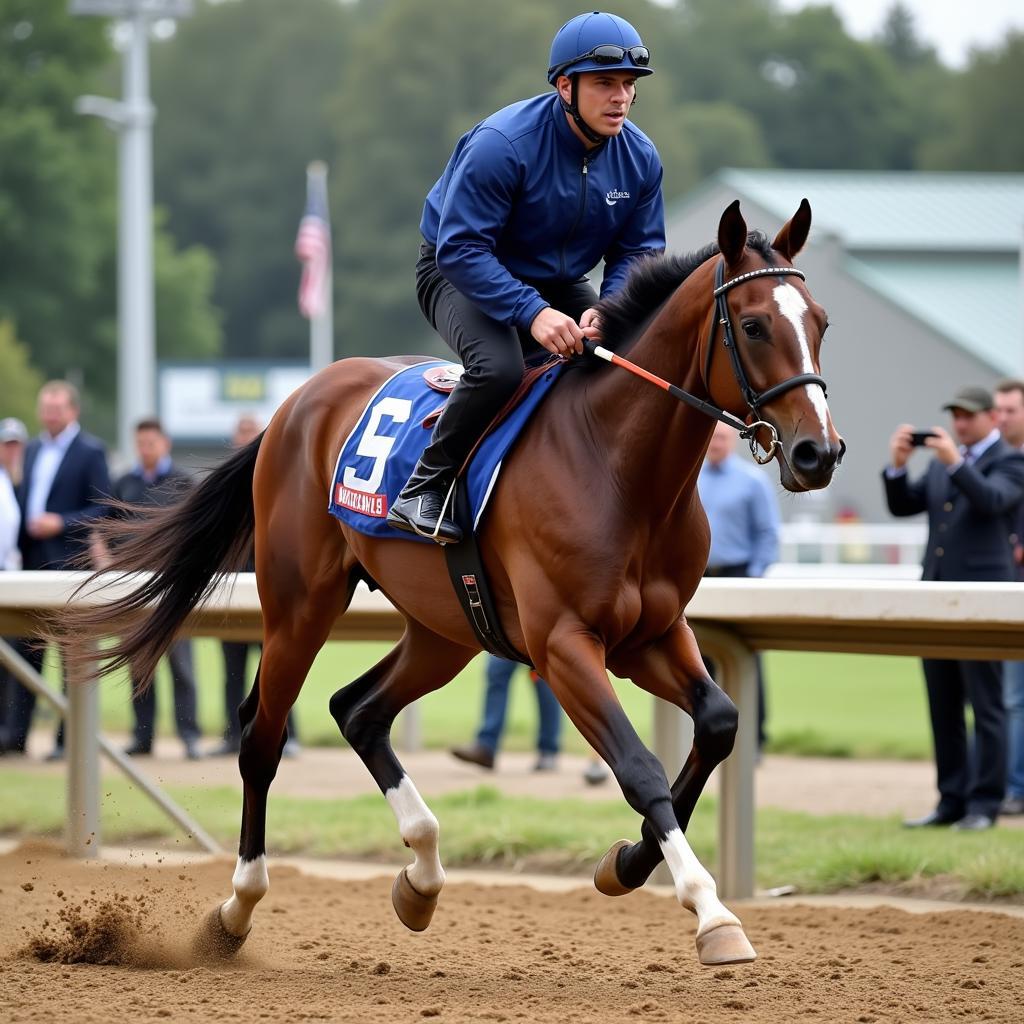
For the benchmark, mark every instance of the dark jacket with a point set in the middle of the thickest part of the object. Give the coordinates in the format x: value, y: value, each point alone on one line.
x: 79, y: 494
x: 522, y: 200
x: 164, y: 489
x: 971, y: 514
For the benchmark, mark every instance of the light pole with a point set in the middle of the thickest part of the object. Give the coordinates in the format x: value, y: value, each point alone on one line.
x: 132, y: 118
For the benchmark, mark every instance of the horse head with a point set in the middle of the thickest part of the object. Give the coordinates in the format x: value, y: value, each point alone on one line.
x: 762, y: 354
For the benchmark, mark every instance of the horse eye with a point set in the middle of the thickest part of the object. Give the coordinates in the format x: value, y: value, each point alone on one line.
x: 752, y: 329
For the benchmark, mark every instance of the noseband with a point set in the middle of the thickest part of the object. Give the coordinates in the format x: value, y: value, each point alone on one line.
x: 754, y: 399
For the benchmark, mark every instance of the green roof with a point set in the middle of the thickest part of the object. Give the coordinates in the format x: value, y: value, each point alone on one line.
x: 943, y: 247
x: 896, y: 210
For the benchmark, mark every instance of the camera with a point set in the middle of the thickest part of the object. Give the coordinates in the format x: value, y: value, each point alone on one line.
x: 918, y: 437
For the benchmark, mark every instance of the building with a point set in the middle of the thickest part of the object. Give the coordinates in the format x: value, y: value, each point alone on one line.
x: 921, y: 277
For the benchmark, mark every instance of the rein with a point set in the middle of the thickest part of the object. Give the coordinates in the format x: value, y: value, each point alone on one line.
x: 754, y: 399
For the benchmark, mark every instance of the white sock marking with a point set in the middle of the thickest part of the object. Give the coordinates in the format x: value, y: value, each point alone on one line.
x: 250, y: 883
x: 419, y: 830
x: 793, y: 307
x: 695, y: 888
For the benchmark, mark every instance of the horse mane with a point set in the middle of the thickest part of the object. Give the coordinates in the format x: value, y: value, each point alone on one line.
x: 651, y: 282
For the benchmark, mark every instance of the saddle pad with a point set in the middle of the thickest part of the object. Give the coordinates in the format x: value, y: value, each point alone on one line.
x: 378, y: 457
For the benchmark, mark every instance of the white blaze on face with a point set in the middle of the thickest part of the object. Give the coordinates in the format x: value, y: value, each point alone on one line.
x: 793, y: 307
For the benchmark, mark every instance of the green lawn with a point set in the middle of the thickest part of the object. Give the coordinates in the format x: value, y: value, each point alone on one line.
x: 816, y: 854
x: 825, y: 704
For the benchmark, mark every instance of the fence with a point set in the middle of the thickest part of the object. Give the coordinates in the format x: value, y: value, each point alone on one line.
x: 732, y: 619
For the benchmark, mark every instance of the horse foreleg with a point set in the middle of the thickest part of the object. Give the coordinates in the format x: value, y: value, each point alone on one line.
x: 575, y: 670
x: 672, y: 669
x: 365, y: 710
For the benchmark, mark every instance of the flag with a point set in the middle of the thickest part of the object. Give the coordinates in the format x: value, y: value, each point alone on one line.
x: 313, y: 245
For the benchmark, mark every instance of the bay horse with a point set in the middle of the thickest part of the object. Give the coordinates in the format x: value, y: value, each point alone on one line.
x: 594, y: 542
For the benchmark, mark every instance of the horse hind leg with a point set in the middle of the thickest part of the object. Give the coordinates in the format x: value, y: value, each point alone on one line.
x: 421, y: 662
x: 292, y: 642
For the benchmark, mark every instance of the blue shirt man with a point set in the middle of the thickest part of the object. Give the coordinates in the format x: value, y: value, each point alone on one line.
x: 741, y: 508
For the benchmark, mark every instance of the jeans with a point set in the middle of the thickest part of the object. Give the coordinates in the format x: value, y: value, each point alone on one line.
x: 1013, y: 698
x: 179, y: 658
x: 549, y: 712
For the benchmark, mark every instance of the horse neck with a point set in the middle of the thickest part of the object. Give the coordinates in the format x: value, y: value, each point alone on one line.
x: 656, y: 443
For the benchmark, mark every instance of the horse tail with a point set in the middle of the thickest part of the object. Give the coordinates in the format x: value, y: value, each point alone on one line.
x: 177, y: 554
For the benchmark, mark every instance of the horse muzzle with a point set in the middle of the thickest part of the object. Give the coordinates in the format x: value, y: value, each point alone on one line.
x: 808, y: 464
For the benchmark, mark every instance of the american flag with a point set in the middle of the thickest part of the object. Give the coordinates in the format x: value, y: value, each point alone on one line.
x: 313, y: 245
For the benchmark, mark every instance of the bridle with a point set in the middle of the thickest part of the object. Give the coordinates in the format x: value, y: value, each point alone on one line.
x: 754, y: 399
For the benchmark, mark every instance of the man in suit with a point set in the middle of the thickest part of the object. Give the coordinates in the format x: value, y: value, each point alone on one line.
x: 64, y: 489
x: 156, y: 480
x: 1009, y: 398
x: 971, y: 492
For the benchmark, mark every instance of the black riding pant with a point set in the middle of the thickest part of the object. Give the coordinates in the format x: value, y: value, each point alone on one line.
x: 493, y: 356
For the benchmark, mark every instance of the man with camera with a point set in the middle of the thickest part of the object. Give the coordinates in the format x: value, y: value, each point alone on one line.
x: 971, y: 491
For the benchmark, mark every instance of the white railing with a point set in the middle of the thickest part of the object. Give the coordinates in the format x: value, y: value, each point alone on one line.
x: 732, y: 619
x: 874, y: 544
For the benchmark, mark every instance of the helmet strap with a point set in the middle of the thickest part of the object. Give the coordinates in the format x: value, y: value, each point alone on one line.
x: 573, y: 110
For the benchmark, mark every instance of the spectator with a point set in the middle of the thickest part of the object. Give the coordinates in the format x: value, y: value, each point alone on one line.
x: 12, y: 442
x: 64, y: 488
x: 236, y: 653
x: 499, y: 673
x: 1009, y: 400
x: 156, y: 480
x: 744, y: 519
x: 971, y: 493
x: 13, y: 436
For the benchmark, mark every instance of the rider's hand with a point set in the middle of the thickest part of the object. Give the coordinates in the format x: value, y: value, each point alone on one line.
x: 557, y: 332
x: 900, y: 445
x: 591, y: 323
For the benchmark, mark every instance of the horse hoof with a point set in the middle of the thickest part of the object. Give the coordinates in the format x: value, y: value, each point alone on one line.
x: 725, y: 944
x: 414, y: 909
x: 214, y: 941
x: 606, y: 880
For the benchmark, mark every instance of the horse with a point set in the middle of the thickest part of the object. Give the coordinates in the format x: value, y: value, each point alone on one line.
x: 594, y: 542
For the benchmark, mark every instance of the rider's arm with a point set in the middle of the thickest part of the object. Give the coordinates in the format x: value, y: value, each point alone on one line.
x: 642, y: 234
x: 476, y: 209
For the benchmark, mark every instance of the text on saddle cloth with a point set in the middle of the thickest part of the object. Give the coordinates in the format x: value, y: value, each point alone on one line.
x: 378, y: 456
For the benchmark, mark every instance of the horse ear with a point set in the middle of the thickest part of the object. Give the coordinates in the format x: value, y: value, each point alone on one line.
x: 732, y: 234
x: 790, y: 240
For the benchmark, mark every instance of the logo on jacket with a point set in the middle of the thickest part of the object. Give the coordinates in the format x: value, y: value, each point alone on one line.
x: 611, y: 198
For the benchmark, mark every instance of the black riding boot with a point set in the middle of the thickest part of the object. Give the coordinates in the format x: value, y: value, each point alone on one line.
x: 418, y: 508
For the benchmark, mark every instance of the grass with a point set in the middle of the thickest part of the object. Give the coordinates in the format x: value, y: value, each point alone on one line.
x: 818, y: 704
x: 481, y: 826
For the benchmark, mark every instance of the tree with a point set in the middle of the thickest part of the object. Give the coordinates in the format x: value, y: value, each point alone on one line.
x: 58, y: 208
x: 984, y: 128
x: 20, y: 382
x: 240, y: 90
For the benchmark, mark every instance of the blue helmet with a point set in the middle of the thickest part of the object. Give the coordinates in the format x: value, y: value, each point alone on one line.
x: 598, y: 42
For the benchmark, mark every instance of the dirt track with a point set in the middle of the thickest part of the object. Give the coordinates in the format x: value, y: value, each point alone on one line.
x: 327, y: 950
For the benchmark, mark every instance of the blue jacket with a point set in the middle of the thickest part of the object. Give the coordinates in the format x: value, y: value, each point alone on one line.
x: 522, y: 200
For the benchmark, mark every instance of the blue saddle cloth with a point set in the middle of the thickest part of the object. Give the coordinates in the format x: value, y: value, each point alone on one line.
x: 378, y: 456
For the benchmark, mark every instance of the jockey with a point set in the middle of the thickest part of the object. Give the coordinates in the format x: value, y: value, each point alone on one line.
x: 533, y: 198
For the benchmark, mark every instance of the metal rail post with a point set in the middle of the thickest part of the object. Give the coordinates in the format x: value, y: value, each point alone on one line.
x: 81, y: 729
x: 737, y: 675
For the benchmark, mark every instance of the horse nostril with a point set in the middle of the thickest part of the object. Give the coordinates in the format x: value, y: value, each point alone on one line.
x: 842, y: 452
x: 807, y: 457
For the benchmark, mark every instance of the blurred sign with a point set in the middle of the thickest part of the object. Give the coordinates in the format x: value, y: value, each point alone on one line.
x: 200, y: 402
x: 129, y: 8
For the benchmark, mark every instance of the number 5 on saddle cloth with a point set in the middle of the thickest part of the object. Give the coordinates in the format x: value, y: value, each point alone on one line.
x: 378, y: 457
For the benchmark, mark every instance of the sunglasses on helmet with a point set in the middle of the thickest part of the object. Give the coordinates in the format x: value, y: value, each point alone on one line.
x: 607, y: 53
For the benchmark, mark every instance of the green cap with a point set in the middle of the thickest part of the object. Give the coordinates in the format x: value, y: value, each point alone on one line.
x: 971, y: 400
